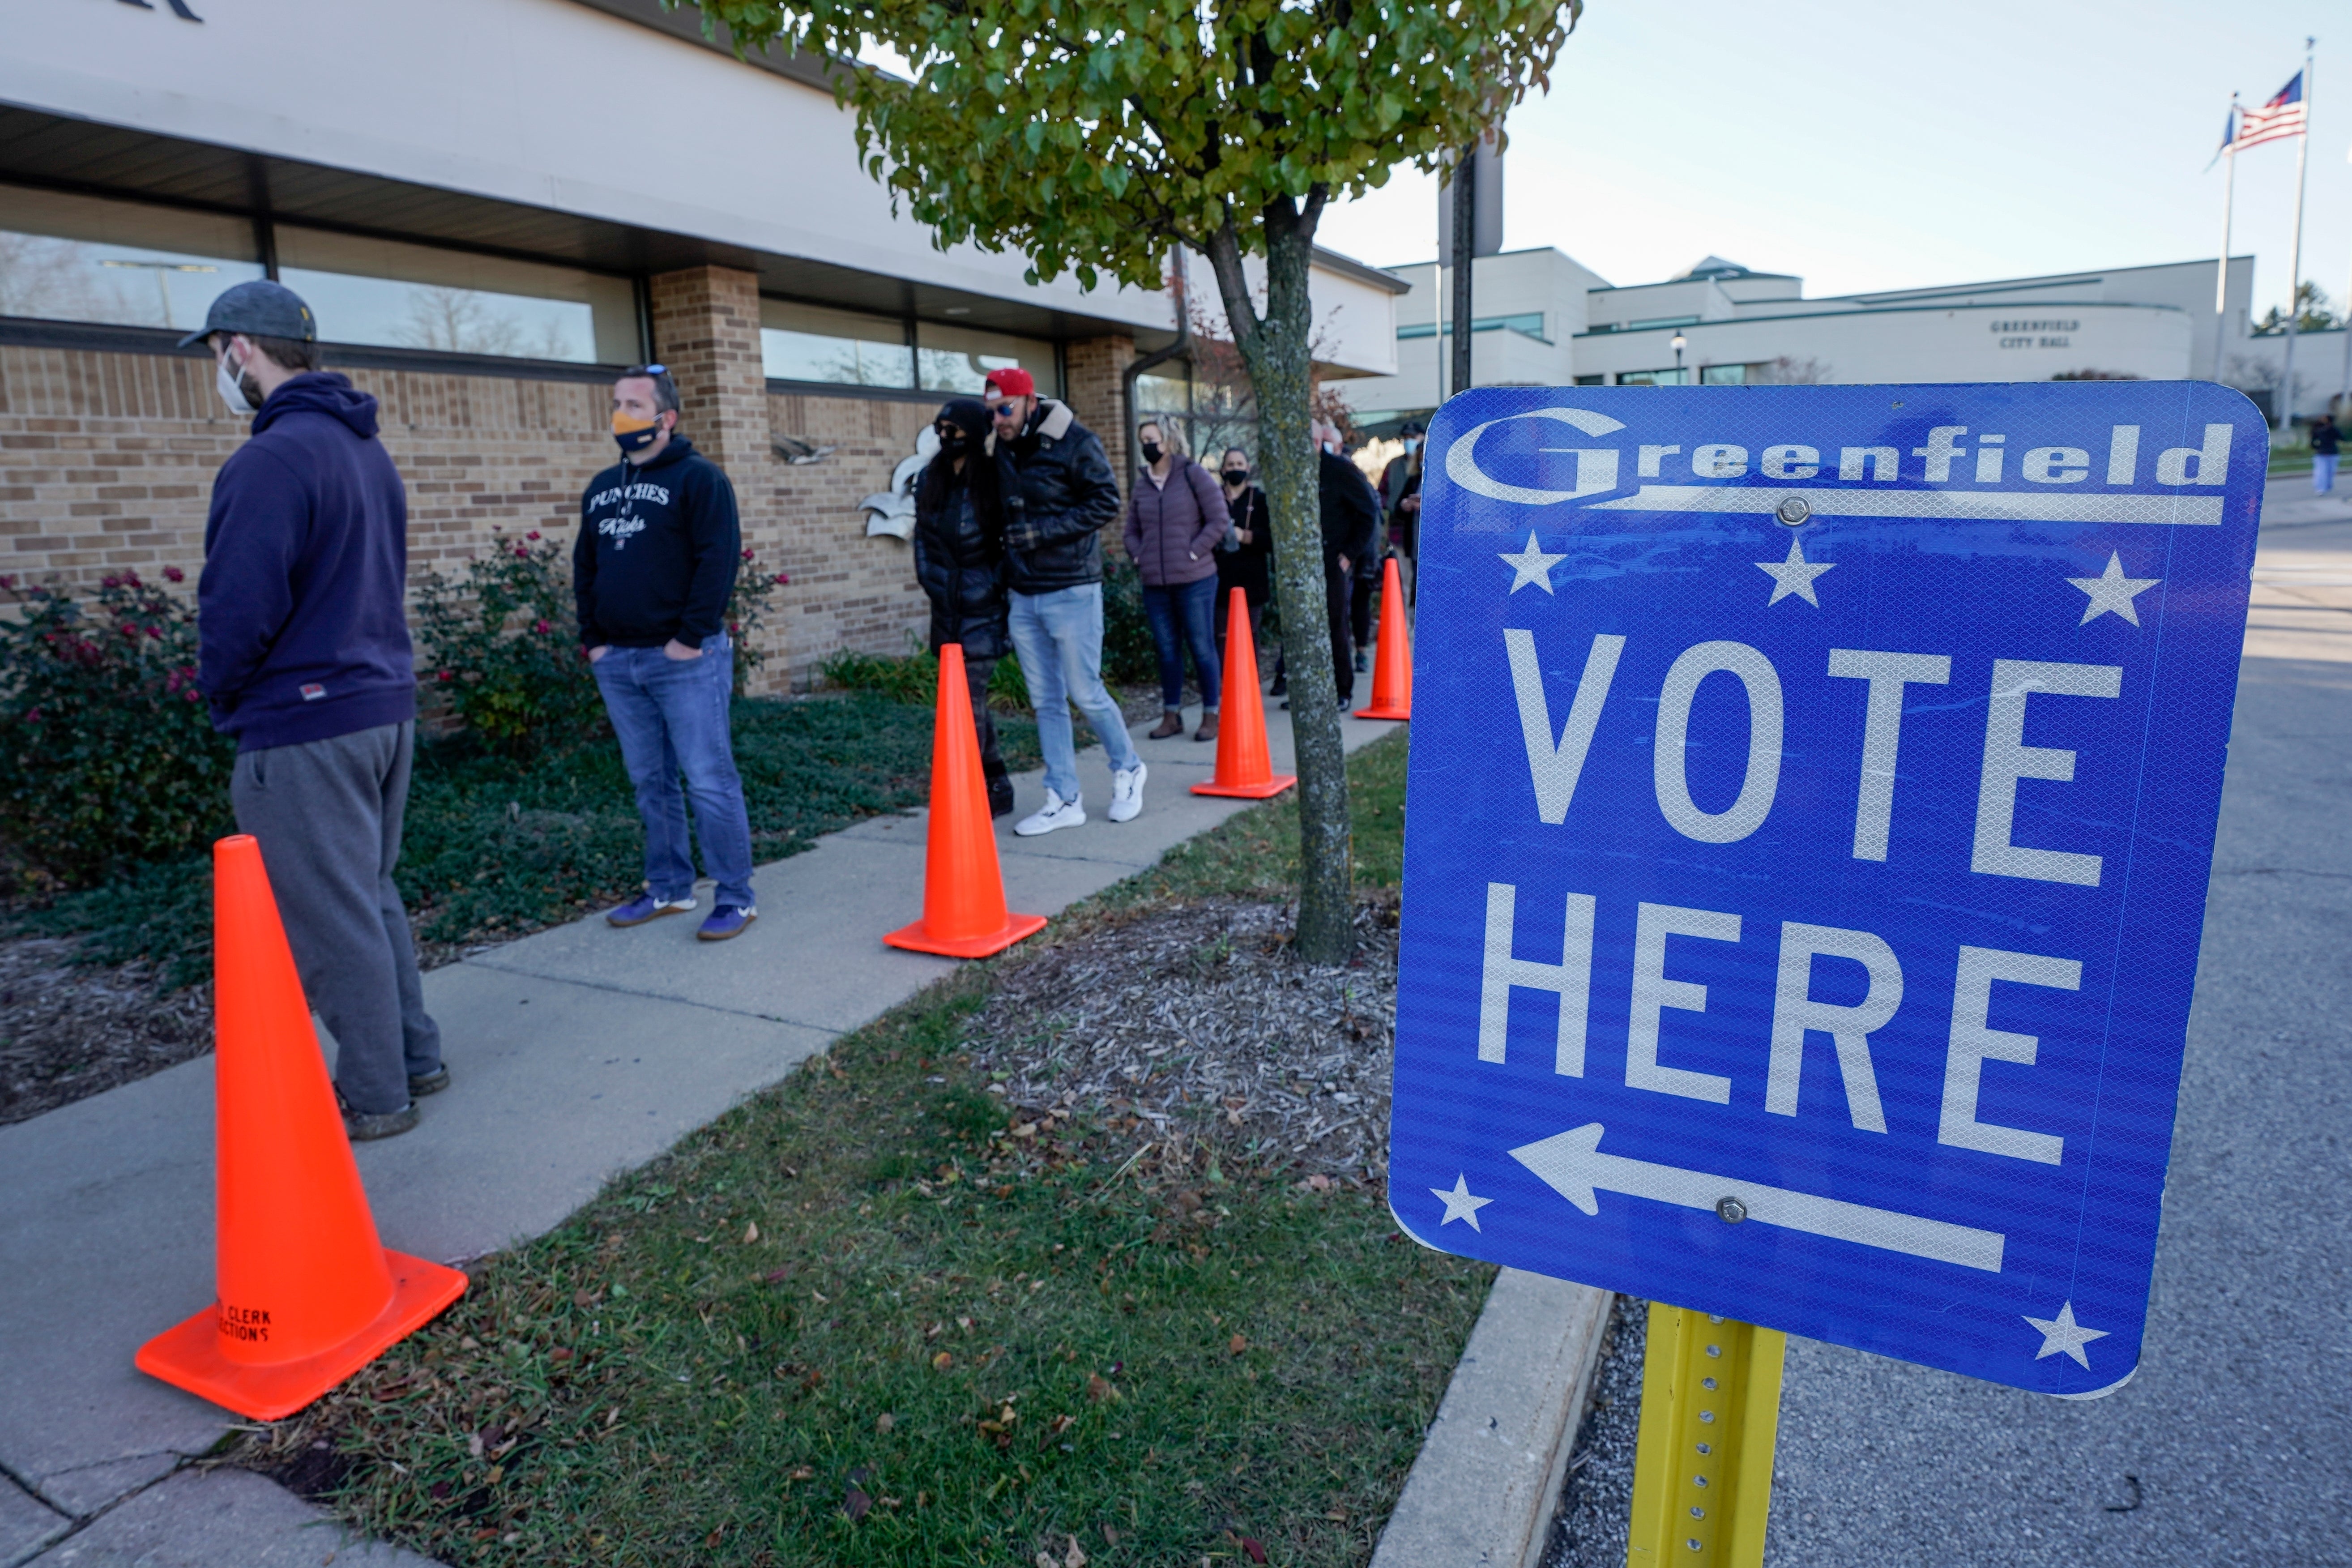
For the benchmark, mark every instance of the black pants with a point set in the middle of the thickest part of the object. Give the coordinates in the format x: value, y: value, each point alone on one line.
x: 976, y: 672
x: 1256, y: 621
x: 1366, y: 582
x: 1337, y: 591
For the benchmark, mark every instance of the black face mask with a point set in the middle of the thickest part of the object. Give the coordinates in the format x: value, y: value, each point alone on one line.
x: 954, y: 443
x: 1236, y: 476
x: 1152, y: 451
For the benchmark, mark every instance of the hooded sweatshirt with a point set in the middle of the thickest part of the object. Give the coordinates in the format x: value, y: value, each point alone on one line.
x: 659, y: 548
x: 299, y: 612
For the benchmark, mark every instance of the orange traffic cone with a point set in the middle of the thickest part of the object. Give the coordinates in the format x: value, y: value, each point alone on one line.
x: 1243, y: 769
x: 964, y: 887
x: 306, y: 1294
x: 1391, y: 661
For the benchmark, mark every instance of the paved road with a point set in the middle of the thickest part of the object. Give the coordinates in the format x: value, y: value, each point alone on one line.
x: 2230, y: 1445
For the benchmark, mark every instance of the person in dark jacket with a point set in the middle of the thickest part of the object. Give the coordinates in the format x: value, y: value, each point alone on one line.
x: 1058, y: 495
x: 1248, y: 565
x: 1401, y: 503
x: 304, y: 654
x: 651, y: 570
x: 1176, y: 519
x: 2327, y: 444
x: 960, y: 561
x: 1351, y: 519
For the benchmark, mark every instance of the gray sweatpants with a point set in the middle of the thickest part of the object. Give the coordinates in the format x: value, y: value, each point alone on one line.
x: 328, y: 814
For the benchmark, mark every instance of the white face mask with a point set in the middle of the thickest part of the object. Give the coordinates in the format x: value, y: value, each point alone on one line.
x: 231, y: 384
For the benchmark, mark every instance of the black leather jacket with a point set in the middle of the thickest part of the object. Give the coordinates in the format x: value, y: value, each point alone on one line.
x: 959, y: 561
x: 1058, y: 495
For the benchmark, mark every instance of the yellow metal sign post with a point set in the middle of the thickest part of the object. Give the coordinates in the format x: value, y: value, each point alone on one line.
x: 1710, y: 1410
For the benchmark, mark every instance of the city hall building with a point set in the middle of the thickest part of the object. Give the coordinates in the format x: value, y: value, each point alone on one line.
x: 1541, y: 319
x: 491, y: 207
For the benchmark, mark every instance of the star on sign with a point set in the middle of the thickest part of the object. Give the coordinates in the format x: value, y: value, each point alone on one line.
x: 1530, y: 565
x: 1459, y: 1204
x: 1793, y: 576
x: 2063, y: 1333
x: 2112, y: 591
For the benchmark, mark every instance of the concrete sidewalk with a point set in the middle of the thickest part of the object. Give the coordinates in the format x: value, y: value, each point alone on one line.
x: 577, y: 1054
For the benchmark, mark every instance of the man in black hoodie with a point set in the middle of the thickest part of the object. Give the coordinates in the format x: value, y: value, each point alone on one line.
x: 304, y: 659
x: 651, y: 570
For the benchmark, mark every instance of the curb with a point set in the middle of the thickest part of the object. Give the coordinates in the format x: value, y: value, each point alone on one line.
x: 1486, y: 1484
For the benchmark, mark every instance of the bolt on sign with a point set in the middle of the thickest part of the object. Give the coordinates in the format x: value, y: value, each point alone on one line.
x: 1814, y: 797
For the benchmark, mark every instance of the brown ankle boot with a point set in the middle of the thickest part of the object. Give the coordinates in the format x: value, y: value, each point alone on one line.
x: 1171, y: 723
x: 1208, y: 729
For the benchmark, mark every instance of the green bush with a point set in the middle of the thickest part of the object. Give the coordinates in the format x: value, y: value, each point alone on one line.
x: 107, y: 755
x: 1128, y: 657
x: 913, y: 677
x: 502, y: 643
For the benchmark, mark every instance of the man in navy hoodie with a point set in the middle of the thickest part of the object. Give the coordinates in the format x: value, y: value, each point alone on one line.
x: 651, y: 572
x: 305, y: 657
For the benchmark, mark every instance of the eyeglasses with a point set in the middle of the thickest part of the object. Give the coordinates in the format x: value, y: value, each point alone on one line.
x: 1004, y: 410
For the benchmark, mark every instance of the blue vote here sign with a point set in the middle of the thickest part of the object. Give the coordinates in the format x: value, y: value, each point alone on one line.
x: 1812, y: 797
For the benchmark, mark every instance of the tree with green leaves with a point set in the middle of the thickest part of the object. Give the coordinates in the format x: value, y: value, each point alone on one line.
x: 1094, y: 135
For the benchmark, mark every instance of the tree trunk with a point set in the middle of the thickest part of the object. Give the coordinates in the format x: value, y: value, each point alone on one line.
x: 1275, y: 348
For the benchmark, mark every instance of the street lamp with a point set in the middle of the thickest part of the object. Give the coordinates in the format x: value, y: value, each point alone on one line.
x: 1678, y: 346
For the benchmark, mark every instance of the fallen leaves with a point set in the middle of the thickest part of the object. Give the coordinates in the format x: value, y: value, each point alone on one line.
x: 1237, y: 1344
x: 884, y: 1423
x: 1099, y: 1388
x: 941, y: 1362
x: 750, y: 1233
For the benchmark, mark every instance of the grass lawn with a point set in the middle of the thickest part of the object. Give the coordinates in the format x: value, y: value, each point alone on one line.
x: 872, y: 1316
x: 496, y: 848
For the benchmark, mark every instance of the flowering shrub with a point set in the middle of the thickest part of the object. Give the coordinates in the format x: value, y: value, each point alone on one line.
x: 108, y: 756
x: 502, y: 646
x: 502, y: 643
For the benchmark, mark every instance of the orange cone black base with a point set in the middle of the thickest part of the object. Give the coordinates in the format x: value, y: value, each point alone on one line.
x: 1244, y: 768
x: 307, y: 1295
x: 1392, y: 662
x: 964, y: 887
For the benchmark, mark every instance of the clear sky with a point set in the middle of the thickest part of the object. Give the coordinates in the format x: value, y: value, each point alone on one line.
x: 1892, y: 145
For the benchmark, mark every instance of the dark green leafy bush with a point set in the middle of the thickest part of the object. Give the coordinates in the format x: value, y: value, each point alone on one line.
x: 107, y: 755
x: 501, y: 644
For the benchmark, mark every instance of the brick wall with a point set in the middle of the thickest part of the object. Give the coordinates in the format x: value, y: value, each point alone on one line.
x: 107, y: 461
x: 1094, y: 367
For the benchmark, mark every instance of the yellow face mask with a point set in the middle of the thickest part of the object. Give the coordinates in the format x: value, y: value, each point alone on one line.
x: 633, y: 433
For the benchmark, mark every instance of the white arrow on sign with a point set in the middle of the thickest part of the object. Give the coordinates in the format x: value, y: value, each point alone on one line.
x: 1573, y: 1164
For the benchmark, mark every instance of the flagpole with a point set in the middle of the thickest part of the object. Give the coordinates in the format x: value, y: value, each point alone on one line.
x: 2295, y: 264
x: 2221, y: 267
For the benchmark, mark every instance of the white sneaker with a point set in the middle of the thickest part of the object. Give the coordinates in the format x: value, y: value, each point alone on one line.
x: 1057, y: 812
x: 1127, y: 792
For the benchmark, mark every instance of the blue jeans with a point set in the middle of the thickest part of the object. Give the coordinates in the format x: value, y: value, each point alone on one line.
x: 671, y: 715
x: 1059, y: 639
x: 1182, y: 614
x: 2322, y: 471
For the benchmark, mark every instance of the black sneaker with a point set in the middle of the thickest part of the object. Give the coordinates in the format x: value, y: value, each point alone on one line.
x: 1000, y: 797
x: 363, y: 1126
x: 433, y: 1082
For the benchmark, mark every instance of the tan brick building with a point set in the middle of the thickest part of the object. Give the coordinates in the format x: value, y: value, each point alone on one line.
x: 484, y: 249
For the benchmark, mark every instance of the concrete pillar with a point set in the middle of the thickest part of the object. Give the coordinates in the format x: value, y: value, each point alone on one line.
x: 707, y: 332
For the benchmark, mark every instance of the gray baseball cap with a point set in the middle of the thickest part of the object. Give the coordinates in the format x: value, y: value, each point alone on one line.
x: 259, y: 309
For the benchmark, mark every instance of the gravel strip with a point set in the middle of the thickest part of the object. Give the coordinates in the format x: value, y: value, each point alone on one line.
x: 1596, y: 1501
x: 1198, y: 1026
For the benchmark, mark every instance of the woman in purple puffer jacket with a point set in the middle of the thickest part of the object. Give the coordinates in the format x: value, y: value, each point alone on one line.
x: 1176, y: 518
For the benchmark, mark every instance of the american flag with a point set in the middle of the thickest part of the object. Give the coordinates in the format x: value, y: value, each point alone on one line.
x: 2282, y: 116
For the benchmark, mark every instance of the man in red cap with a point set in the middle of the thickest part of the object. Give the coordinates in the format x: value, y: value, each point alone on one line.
x: 1058, y: 494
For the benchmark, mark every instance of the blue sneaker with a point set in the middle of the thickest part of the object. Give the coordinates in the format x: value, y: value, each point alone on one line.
x: 727, y: 921
x: 645, y: 906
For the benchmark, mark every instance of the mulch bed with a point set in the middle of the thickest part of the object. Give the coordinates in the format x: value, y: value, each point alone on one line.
x: 70, y: 1031
x: 1199, y: 1025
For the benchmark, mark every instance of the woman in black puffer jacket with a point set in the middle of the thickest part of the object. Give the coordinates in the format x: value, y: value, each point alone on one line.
x: 960, y: 561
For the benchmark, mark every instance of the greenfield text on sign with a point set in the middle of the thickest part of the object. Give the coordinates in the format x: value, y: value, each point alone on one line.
x: 1812, y: 798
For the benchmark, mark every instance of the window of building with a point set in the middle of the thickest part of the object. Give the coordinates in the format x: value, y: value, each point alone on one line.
x: 1723, y: 376
x: 811, y: 343
x: 385, y: 293
x: 1527, y: 324
x: 1662, y: 321
x: 77, y: 259
x: 1667, y: 377
x: 958, y: 359
x: 1591, y: 380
